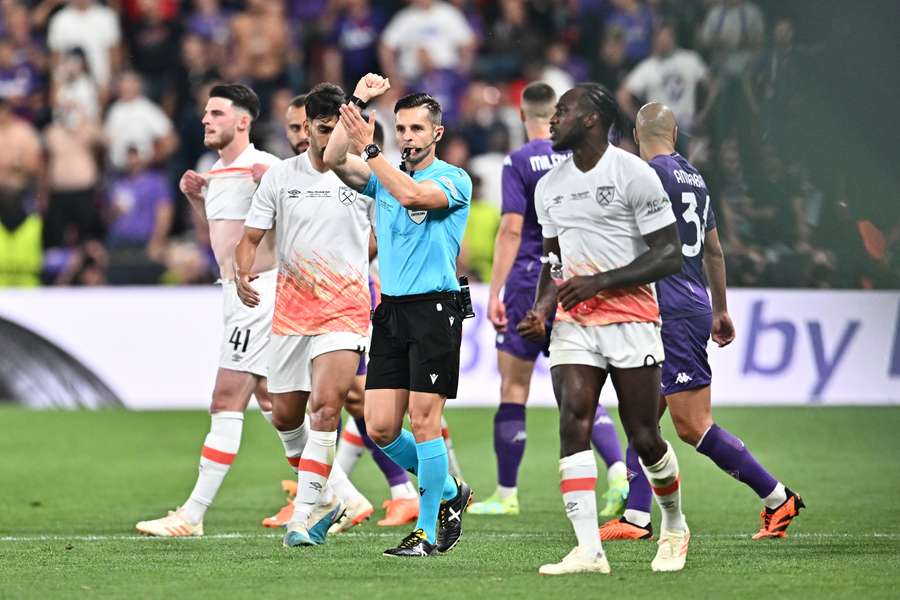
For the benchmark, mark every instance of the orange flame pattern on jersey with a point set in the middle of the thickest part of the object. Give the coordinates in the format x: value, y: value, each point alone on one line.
x: 627, y: 305
x: 313, y: 298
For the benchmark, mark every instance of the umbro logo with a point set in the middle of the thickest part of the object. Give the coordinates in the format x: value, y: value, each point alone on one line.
x: 433, y: 378
x: 315, y: 485
x: 683, y: 378
x: 294, y: 194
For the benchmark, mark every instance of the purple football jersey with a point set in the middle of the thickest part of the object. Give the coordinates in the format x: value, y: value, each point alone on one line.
x: 684, y: 294
x: 521, y: 171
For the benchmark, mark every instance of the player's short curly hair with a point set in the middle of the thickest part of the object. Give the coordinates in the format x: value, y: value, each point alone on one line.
x: 421, y: 99
x: 240, y: 95
x: 324, y: 101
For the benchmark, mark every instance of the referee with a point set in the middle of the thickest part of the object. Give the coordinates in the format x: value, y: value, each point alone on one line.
x: 421, y: 212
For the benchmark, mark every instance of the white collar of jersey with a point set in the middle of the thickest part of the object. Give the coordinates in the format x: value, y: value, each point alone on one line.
x: 237, y: 159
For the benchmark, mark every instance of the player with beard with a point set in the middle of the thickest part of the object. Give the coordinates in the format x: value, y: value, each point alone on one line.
x: 605, y: 214
x: 222, y: 197
x: 321, y: 321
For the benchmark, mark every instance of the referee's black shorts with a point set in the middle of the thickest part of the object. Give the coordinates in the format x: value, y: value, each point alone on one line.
x: 415, y: 343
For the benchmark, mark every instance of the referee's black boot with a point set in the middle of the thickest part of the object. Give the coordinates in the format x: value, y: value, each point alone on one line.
x: 415, y: 544
x: 450, y: 517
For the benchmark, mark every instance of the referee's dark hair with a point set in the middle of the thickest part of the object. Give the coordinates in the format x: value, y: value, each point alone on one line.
x: 421, y: 99
x: 240, y: 95
x: 298, y: 101
x: 598, y: 99
x: 324, y: 101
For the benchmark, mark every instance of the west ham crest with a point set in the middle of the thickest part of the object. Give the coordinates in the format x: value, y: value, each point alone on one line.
x: 346, y: 195
x: 605, y: 194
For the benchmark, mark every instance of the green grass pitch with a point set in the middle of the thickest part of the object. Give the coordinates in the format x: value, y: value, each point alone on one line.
x: 72, y: 485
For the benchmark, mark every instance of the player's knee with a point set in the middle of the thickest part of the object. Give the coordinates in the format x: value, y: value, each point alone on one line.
x: 648, y: 444
x: 225, y: 400
x: 325, y: 417
x: 513, y: 392
x: 382, y: 433
x: 689, y: 430
x: 283, y: 421
x: 575, y: 426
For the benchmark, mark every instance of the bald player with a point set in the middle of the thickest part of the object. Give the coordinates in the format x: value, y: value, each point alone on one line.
x: 688, y: 320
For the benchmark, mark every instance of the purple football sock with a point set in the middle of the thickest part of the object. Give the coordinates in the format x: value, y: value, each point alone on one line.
x: 509, y: 442
x: 393, y: 472
x: 604, y: 436
x: 639, y: 495
x: 730, y: 455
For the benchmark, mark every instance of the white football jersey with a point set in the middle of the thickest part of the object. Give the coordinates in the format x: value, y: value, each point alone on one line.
x: 229, y: 189
x: 322, y: 239
x: 600, y: 217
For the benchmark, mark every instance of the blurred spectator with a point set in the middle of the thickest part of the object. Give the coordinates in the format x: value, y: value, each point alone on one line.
x: 20, y: 151
x: 141, y: 213
x: 775, y: 93
x: 73, y: 87
x: 210, y: 22
x: 92, y: 27
x: 733, y: 30
x: 352, y: 44
x: 512, y: 41
x: 562, y: 71
x: 435, y: 26
x: 71, y: 142
x: 195, y: 69
x: 477, y: 251
x: 19, y: 82
x: 269, y: 132
x: 488, y: 167
x: 671, y: 76
x: 446, y: 85
x: 610, y: 68
x: 262, y: 51
x: 134, y: 122
x: 20, y: 242
x: 636, y: 21
x: 154, y: 46
x: 454, y: 150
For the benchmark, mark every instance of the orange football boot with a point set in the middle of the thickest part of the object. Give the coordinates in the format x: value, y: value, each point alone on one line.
x: 281, y: 518
x: 620, y: 529
x: 774, y: 523
x: 399, y: 512
x: 289, y: 486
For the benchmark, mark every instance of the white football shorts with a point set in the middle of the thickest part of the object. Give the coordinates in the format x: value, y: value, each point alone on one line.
x: 622, y: 345
x: 245, y: 341
x: 291, y: 356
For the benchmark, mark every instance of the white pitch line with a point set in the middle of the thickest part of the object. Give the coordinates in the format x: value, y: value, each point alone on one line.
x: 490, y: 536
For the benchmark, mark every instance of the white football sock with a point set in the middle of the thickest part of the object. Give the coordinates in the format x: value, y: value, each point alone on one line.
x: 666, y: 485
x: 616, y: 472
x: 504, y: 492
x: 403, y: 491
x: 637, y: 517
x: 351, y: 448
x: 294, y: 441
x: 776, y: 498
x: 578, y: 481
x: 314, y: 470
x: 219, y: 449
x: 342, y: 485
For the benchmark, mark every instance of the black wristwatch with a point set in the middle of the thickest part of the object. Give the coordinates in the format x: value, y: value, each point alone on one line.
x: 371, y: 151
x: 357, y: 101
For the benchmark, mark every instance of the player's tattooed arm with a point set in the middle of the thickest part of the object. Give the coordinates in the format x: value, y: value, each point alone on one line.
x: 244, y: 256
x: 714, y: 268
x: 663, y: 258
x: 533, y: 324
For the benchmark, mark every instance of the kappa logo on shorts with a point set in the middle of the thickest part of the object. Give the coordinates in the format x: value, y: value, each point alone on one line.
x: 433, y: 378
x: 683, y: 378
x: 346, y: 195
x: 605, y: 194
x: 417, y: 216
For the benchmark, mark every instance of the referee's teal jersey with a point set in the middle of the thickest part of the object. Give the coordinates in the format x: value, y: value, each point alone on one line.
x: 417, y: 249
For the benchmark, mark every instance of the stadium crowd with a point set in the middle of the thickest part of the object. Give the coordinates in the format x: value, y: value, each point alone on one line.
x: 100, y: 107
